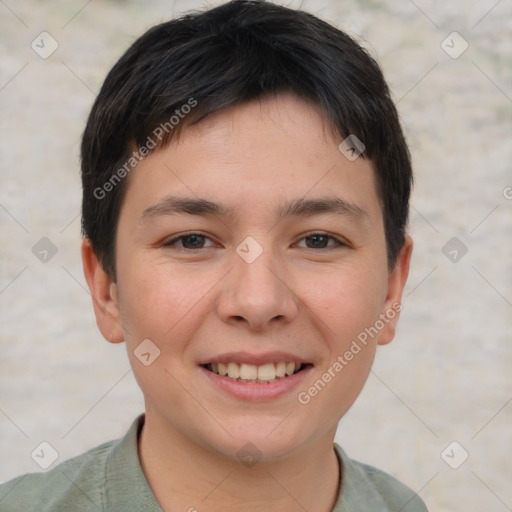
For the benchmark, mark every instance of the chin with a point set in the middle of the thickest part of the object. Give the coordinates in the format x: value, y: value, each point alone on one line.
x: 267, y: 439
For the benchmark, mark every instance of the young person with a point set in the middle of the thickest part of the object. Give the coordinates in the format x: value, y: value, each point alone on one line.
x: 245, y: 199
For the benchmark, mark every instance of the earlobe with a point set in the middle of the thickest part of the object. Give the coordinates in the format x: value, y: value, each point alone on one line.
x: 396, y: 283
x: 104, y: 295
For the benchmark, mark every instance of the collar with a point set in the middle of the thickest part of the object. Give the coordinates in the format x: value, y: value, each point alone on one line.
x: 357, y: 491
x: 128, y: 489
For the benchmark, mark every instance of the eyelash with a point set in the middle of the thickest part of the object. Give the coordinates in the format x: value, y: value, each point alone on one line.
x: 173, y: 241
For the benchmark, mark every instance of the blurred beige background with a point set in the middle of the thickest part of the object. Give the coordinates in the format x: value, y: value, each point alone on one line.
x: 447, y: 376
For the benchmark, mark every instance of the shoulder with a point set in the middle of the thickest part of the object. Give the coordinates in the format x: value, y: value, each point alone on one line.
x: 73, y: 482
x: 364, y: 482
x: 396, y: 494
x: 107, y: 477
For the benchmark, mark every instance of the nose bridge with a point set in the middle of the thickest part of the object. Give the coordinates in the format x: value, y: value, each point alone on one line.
x: 257, y: 291
x: 258, y: 279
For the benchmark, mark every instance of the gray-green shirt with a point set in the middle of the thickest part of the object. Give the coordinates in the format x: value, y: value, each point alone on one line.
x: 109, y: 478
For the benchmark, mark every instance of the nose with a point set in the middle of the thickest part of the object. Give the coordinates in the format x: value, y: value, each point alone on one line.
x: 257, y: 294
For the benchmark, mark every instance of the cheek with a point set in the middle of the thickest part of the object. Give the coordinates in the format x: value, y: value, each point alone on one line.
x: 349, y: 305
x: 158, y: 302
x: 162, y: 305
x: 346, y: 300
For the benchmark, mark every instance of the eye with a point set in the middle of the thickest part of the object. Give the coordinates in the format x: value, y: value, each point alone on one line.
x: 194, y: 241
x: 188, y: 241
x: 321, y: 241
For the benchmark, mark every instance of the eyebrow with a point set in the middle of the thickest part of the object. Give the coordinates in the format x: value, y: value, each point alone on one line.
x: 173, y: 205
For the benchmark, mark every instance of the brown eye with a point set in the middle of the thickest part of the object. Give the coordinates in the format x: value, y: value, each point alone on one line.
x: 321, y: 241
x: 318, y: 241
x: 193, y: 241
x: 190, y: 241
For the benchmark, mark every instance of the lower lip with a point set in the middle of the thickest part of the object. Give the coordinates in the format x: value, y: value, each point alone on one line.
x: 253, y: 391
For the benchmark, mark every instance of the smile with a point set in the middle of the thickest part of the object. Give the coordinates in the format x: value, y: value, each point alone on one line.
x: 262, y: 374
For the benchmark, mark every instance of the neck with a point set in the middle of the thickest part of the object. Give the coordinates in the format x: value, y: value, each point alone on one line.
x: 186, y: 476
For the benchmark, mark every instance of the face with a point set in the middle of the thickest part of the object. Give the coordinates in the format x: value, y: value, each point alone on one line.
x: 251, y: 246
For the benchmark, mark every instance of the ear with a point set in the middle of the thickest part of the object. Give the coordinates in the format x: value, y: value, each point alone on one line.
x: 396, y: 282
x: 104, y: 295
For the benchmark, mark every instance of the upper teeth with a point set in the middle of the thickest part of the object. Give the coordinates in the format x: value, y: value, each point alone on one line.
x: 252, y: 373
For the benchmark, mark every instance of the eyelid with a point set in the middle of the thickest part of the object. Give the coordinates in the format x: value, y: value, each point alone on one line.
x: 175, y: 239
x: 340, y: 242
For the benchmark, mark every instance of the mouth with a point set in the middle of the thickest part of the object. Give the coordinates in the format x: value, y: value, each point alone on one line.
x: 258, y: 374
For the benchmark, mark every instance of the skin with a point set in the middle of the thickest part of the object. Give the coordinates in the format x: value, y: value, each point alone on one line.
x: 197, y: 303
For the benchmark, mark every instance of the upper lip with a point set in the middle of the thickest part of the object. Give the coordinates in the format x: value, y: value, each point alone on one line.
x: 256, y: 359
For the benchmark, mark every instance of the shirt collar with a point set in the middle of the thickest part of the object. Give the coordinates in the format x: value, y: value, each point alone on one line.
x: 357, y: 492
x: 127, y: 487
x: 124, y: 473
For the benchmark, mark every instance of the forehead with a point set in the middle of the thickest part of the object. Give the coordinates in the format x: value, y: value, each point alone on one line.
x: 255, y: 154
